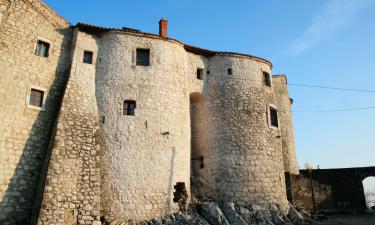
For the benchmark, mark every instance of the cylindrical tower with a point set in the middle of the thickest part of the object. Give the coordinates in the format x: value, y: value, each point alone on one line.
x: 144, y: 113
x: 244, y: 149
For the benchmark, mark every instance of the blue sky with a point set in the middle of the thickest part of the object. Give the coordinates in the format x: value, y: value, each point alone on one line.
x: 320, y: 42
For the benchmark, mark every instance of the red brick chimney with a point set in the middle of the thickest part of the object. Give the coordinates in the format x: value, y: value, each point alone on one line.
x: 163, y: 27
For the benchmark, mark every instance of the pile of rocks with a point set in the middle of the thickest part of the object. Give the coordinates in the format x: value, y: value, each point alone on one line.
x: 212, y: 213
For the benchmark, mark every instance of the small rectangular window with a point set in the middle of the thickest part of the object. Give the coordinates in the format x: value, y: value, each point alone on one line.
x: 208, y: 72
x: 87, y: 57
x: 229, y: 71
x: 36, y: 97
x: 129, y: 107
x: 274, y: 121
x: 200, y: 74
x: 42, y: 48
x: 267, y: 79
x: 143, y: 57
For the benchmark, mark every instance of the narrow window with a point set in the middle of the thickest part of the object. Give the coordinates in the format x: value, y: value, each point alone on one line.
x: 273, y: 117
x: 266, y: 79
x: 229, y: 71
x: 143, y: 57
x: 87, y: 57
x: 42, y: 48
x: 129, y: 106
x: 36, y: 97
x: 200, y: 74
x: 208, y: 72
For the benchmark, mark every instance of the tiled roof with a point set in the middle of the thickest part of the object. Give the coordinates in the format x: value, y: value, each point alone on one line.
x: 189, y: 48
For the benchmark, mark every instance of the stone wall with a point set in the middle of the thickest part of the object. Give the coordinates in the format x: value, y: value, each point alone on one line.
x: 284, y: 102
x: 104, y: 163
x: 72, y: 191
x: 340, y: 189
x: 25, y: 131
x: 243, y: 156
x: 148, y: 153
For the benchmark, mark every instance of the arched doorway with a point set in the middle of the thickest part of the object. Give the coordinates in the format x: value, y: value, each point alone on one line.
x: 369, y: 190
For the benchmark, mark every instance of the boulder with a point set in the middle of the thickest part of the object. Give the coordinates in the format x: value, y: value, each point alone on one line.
x: 232, y: 215
x: 244, y: 211
x: 294, y: 216
x: 212, y: 213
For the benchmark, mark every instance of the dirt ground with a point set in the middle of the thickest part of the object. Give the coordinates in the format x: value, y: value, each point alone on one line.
x: 352, y: 219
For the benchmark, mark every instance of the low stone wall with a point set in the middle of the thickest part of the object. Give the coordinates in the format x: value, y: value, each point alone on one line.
x: 340, y: 189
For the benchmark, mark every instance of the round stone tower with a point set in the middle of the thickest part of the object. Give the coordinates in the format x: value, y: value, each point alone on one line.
x: 242, y: 154
x: 144, y: 112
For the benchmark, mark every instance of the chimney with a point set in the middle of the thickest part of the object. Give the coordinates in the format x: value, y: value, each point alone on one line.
x: 163, y: 27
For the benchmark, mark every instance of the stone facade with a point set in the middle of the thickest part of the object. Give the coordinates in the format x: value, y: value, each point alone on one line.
x: 25, y: 131
x: 211, y: 135
x: 284, y: 103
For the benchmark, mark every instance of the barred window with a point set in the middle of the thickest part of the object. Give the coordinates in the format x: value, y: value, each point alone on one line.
x: 87, y: 57
x: 129, y: 107
x: 36, y: 97
x: 42, y: 48
x: 267, y: 79
x: 274, y: 121
x: 143, y: 57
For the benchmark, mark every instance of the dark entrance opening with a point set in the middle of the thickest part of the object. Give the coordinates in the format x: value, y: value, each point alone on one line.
x: 197, y: 145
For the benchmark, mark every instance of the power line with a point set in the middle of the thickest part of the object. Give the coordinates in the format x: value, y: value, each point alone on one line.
x: 305, y: 85
x: 335, y: 110
x: 333, y: 88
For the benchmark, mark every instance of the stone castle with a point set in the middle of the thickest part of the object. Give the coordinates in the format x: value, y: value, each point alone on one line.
x: 118, y: 123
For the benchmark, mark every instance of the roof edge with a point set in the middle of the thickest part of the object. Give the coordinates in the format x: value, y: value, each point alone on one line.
x: 92, y: 29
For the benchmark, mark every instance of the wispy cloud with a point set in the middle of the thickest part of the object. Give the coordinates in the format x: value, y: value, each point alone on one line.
x: 333, y: 17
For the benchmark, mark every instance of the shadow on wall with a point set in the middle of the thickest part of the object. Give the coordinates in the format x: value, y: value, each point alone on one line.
x: 22, y: 198
x: 170, y: 181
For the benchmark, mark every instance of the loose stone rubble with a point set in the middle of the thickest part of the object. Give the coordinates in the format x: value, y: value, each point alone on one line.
x: 213, y: 213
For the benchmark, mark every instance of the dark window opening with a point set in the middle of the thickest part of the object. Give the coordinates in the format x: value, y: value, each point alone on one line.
x: 200, y: 74
x: 143, y: 57
x: 208, y: 72
x: 36, y: 97
x: 42, y: 48
x: 229, y: 71
x: 267, y: 79
x: 87, y: 57
x: 180, y: 195
x: 129, y: 107
x: 273, y: 117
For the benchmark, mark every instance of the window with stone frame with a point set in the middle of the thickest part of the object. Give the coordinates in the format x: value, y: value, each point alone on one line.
x: 266, y: 79
x: 274, y: 120
x: 36, y: 97
x: 42, y: 48
x: 129, y: 107
x: 143, y: 57
x: 87, y: 57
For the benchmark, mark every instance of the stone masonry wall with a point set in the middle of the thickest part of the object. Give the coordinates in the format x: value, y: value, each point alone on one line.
x: 104, y: 163
x: 340, y: 189
x: 148, y: 153
x: 244, y: 157
x: 286, y: 123
x: 72, y: 191
x: 25, y: 131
